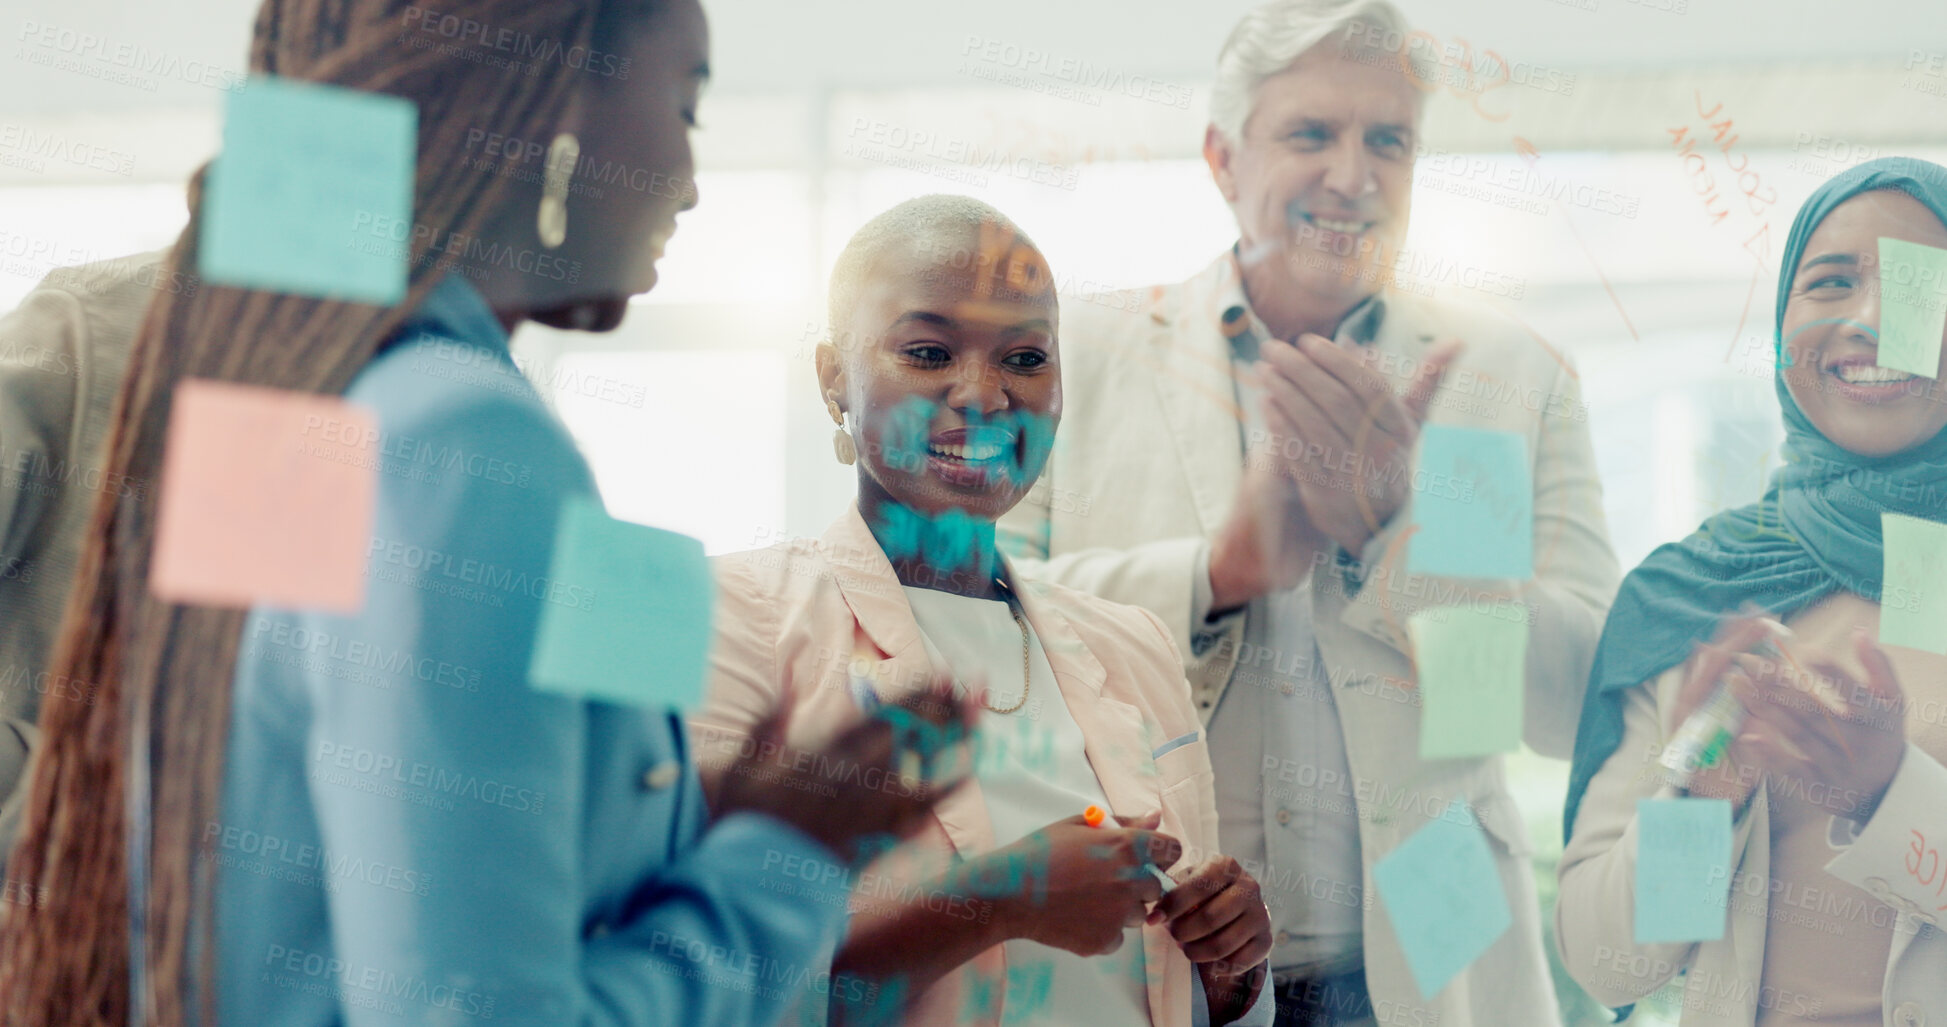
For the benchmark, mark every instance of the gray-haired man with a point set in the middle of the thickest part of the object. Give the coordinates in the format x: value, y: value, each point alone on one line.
x: 1243, y: 444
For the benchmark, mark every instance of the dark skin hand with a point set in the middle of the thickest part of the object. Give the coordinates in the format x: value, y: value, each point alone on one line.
x: 1079, y: 888
x: 1094, y: 885
x: 835, y: 809
x: 1217, y: 915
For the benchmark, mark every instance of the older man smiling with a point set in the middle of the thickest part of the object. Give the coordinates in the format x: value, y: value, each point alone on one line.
x: 1247, y: 441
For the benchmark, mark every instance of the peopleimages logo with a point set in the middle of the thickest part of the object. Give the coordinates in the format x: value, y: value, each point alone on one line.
x: 115, y: 61
x: 1507, y: 183
x: 888, y: 143
x: 1074, y: 71
x: 523, y: 45
x: 1455, y: 64
x: 36, y: 147
x: 389, y: 238
x: 519, y: 152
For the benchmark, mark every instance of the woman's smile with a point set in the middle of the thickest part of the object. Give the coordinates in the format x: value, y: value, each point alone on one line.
x: 1858, y: 378
x: 972, y: 456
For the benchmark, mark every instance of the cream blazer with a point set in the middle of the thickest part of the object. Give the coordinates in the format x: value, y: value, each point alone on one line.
x: 794, y: 614
x: 63, y: 353
x: 1595, y: 914
x: 1143, y: 473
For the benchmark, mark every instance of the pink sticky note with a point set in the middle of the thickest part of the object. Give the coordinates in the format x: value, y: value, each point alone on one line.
x: 267, y: 497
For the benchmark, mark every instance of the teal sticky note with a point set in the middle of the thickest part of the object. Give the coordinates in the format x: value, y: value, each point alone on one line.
x: 1444, y: 898
x: 1473, y: 505
x: 1683, y: 869
x: 628, y: 613
x: 1913, y: 593
x: 1912, y: 306
x: 1470, y: 666
x: 312, y: 192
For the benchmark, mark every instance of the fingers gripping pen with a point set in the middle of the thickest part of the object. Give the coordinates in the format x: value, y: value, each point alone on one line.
x: 1701, y: 741
x: 1096, y: 816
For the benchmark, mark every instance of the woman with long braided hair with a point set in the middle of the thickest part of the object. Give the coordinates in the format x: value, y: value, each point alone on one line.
x: 525, y: 856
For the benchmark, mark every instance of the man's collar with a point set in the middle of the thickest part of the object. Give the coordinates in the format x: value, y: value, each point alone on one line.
x: 1246, y: 331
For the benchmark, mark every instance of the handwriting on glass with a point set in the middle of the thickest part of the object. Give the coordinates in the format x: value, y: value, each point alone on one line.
x: 1926, y: 857
x: 1758, y: 196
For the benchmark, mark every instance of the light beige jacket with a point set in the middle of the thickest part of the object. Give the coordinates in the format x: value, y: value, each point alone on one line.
x: 63, y: 352
x: 791, y: 617
x: 1145, y: 467
x: 1723, y: 986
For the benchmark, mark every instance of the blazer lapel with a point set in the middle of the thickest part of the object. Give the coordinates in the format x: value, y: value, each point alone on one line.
x: 1114, y: 735
x: 1191, y: 369
x: 872, y: 591
x: 1118, y: 743
x: 1405, y: 330
x: 865, y: 579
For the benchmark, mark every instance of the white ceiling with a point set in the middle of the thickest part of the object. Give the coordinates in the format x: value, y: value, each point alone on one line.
x: 767, y: 45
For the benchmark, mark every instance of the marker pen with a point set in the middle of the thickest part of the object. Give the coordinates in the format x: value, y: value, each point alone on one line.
x: 862, y: 691
x: 1702, y: 740
x: 1096, y: 816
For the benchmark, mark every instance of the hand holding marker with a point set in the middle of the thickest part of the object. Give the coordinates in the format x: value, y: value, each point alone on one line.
x: 1220, y: 921
x: 1094, y: 816
x: 1706, y: 734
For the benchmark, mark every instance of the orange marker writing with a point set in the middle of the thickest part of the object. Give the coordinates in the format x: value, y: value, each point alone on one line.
x: 1095, y: 816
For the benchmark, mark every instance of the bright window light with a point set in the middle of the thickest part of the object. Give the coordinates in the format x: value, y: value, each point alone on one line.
x: 688, y: 441
x: 1112, y: 231
x: 45, y: 227
x: 749, y: 239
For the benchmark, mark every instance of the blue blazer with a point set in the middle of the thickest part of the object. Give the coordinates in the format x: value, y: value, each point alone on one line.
x: 411, y: 834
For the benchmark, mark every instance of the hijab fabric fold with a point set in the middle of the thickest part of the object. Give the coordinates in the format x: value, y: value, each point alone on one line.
x: 1815, y: 531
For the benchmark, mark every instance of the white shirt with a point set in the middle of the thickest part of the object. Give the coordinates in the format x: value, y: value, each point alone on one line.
x: 1033, y: 771
x: 1300, y: 840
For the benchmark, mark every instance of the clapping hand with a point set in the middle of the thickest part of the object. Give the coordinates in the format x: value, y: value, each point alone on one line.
x: 1835, y: 729
x: 1354, y: 472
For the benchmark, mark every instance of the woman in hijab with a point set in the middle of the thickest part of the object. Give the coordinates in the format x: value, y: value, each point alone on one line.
x: 1834, y: 779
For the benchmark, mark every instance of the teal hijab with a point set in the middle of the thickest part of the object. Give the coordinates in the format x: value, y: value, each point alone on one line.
x: 1814, y: 532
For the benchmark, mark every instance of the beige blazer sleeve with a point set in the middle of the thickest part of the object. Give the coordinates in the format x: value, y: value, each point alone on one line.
x: 1595, y: 912
x: 1165, y: 570
x: 1169, y: 577
x: 1575, y: 580
x: 745, y: 680
x: 41, y: 379
x: 1902, y: 850
x: 62, y: 353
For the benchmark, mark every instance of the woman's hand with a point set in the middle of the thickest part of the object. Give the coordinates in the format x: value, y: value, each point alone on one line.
x: 1089, y: 882
x: 1736, y: 775
x: 1217, y: 916
x: 1832, y: 729
x: 869, y: 786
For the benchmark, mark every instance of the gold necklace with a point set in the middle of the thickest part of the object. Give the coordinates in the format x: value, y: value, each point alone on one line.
x: 1007, y: 596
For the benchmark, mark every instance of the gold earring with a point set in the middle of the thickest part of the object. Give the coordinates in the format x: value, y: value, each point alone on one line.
x: 843, y: 447
x: 552, y: 222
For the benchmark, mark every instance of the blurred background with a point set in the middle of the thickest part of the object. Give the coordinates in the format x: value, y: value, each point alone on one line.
x: 1553, y: 183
